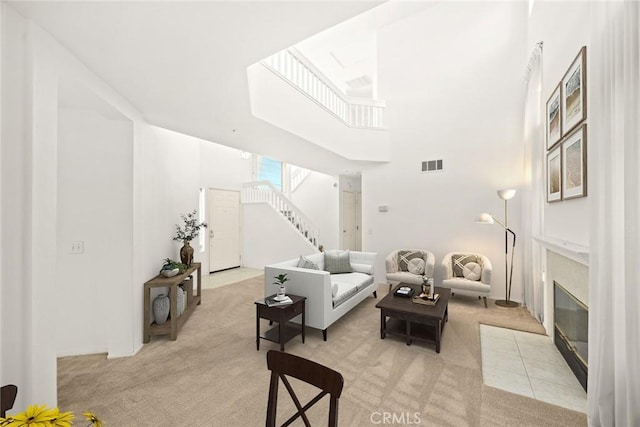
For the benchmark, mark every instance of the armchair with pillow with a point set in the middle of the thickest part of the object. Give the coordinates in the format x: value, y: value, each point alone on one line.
x: 409, y: 266
x: 467, y: 273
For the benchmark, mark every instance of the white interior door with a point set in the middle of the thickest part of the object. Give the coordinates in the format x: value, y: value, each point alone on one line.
x: 349, y: 213
x: 224, y: 229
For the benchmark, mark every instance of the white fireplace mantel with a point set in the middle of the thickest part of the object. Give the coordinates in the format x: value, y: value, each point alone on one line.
x: 574, y: 251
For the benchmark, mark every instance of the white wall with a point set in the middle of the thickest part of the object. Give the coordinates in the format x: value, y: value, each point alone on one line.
x: 150, y: 178
x: 452, y: 79
x: 95, y: 189
x: 318, y: 199
x: 564, y: 29
x: 269, y: 238
x: 14, y: 185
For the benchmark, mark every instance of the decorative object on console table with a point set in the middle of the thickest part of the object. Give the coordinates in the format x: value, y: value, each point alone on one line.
x: 187, y: 233
x: 486, y: 218
x: 186, y: 253
x: 161, y: 307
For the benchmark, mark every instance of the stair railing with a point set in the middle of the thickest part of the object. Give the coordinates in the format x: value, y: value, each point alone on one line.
x: 297, y: 176
x: 265, y: 192
x: 291, y: 66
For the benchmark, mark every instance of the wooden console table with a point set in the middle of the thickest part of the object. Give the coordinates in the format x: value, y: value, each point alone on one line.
x: 174, y: 323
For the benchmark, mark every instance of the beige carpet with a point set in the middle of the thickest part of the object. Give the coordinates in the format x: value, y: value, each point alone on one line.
x: 213, y: 375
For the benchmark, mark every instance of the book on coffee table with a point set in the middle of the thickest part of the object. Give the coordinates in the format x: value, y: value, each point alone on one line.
x: 424, y: 299
x: 404, y: 291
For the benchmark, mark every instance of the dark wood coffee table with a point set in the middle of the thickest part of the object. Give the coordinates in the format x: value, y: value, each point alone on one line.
x: 413, y: 320
x: 282, y: 314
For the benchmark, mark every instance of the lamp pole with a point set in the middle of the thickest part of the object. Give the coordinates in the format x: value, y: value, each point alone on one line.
x: 506, y: 195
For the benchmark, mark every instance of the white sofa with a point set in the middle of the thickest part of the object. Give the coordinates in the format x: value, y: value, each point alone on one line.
x: 329, y: 296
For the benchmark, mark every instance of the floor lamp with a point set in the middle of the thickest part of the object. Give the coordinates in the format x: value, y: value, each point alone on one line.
x: 486, y: 218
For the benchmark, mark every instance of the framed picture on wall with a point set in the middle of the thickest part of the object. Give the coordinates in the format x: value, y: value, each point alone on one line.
x: 574, y: 164
x: 573, y: 107
x: 554, y: 175
x: 554, y: 119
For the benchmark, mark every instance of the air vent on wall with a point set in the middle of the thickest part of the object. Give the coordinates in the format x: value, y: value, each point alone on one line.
x: 432, y: 166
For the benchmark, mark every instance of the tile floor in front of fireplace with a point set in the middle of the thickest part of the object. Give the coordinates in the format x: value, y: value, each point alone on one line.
x: 531, y: 365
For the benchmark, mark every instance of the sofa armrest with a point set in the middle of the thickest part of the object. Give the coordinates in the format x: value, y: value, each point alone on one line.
x: 391, y: 262
x: 447, y: 266
x: 315, y: 285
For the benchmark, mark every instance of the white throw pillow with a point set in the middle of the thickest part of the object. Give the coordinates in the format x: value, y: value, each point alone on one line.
x: 416, y: 266
x: 334, y: 290
x: 472, y: 271
x: 362, y: 268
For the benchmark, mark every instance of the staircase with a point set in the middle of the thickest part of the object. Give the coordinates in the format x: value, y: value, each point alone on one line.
x: 265, y: 192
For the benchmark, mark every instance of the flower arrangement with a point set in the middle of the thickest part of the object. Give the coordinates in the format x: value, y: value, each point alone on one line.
x: 191, y: 227
x: 41, y: 416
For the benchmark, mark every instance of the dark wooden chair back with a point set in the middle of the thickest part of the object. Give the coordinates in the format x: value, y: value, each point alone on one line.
x: 8, y: 395
x: 327, y: 380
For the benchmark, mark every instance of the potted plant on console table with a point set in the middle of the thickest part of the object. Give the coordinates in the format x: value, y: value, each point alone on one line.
x: 187, y: 233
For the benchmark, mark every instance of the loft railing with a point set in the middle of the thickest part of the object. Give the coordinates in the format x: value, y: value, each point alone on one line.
x: 297, y: 176
x: 265, y: 192
x: 301, y: 74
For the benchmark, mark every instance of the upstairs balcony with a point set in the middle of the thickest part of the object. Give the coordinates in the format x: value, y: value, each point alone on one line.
x: 287, y: 91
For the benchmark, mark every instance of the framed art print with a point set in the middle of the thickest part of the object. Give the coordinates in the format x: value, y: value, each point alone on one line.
x: 554, y: 175
x: 573, y: 107
x: 553, y: 117
x: 574, y: 164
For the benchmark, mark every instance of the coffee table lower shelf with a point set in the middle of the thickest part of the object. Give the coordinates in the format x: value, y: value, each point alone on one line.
x: 418, y: 331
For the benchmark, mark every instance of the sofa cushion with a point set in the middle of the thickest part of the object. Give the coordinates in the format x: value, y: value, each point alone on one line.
x: 464, y: 284
x: 472, y: 271
x: 362, y: 268
x: 337, y: 262
x: 411, y: 261
x: 304, y: 262
x: 458, y: 262
x: 342, y: 291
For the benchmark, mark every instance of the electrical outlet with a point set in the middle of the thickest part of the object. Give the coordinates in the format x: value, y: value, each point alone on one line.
x: 77, y: 247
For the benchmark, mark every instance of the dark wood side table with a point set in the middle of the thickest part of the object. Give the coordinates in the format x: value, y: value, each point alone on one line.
x: 281, y: 314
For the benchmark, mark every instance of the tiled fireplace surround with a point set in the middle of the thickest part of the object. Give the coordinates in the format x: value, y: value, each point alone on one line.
x: 568, y: 265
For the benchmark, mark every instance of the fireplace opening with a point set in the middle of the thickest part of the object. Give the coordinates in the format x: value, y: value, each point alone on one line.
x: 571, y: 329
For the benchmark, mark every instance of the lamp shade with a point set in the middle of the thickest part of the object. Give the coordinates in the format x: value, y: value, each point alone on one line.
x: 484, y: 218
x: 506, y: 194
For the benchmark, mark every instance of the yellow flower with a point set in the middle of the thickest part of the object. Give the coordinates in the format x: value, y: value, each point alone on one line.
x: 34, y: 416
x: 61, y: 419
x: 92, y: 419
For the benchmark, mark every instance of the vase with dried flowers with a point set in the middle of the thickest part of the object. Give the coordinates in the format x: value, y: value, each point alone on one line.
x: 187, y: 233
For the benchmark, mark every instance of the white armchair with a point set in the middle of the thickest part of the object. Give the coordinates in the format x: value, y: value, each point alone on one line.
x: 468, y: 274
x: 397, y: 273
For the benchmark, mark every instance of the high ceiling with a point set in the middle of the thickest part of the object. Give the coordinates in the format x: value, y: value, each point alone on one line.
x: 183, y: 64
